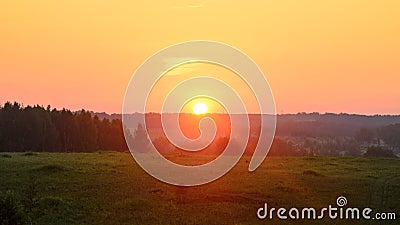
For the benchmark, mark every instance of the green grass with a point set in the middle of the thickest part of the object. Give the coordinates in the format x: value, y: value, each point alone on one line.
x: 110, y: 188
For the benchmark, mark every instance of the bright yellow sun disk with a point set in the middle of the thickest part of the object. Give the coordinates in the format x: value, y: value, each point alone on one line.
x: 200, y: 108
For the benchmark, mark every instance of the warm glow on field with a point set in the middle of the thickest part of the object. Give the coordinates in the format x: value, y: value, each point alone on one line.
x: 200, y: 108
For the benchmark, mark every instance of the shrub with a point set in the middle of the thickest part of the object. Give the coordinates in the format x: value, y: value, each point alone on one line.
x: 11, y: 211
x: 53, y: 210
x: 377, y: 151
x: 6, y: 156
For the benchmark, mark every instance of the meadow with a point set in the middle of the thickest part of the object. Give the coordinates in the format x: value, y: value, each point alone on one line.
x: 110, y: 188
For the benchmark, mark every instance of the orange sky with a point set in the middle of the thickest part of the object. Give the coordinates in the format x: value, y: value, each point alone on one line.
x: 335, y: 56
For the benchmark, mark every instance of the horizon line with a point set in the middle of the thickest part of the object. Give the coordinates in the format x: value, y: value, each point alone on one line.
x: 277, y: 114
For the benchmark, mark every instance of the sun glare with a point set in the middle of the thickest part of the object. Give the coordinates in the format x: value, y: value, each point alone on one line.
x: 200, y: 108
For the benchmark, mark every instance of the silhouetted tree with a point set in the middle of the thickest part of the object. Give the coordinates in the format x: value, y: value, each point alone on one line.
x: 391, y: 134
x: 377, y: 151
x: 282, y: 147
x: 364, y: 135
x: 117, y: 136
x: 87, y: 131
x: 140, y: 139
x: 42, y: 129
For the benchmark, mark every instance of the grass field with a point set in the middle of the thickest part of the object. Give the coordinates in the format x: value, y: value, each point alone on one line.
x: 110, y: 188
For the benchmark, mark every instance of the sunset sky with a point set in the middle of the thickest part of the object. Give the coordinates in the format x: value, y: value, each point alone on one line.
x: 318, y: 56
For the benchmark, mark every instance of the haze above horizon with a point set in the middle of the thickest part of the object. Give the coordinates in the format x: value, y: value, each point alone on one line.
x: 327, y: 56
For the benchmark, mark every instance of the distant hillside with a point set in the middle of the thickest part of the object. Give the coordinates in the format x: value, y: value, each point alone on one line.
x: 304, y: 124
x: 330, y: 124
x: 102, y: 115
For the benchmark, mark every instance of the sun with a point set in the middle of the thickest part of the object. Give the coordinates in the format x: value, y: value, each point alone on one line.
x: 200, y: 108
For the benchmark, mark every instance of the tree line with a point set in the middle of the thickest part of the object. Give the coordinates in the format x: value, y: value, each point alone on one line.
x: 35, y: 128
